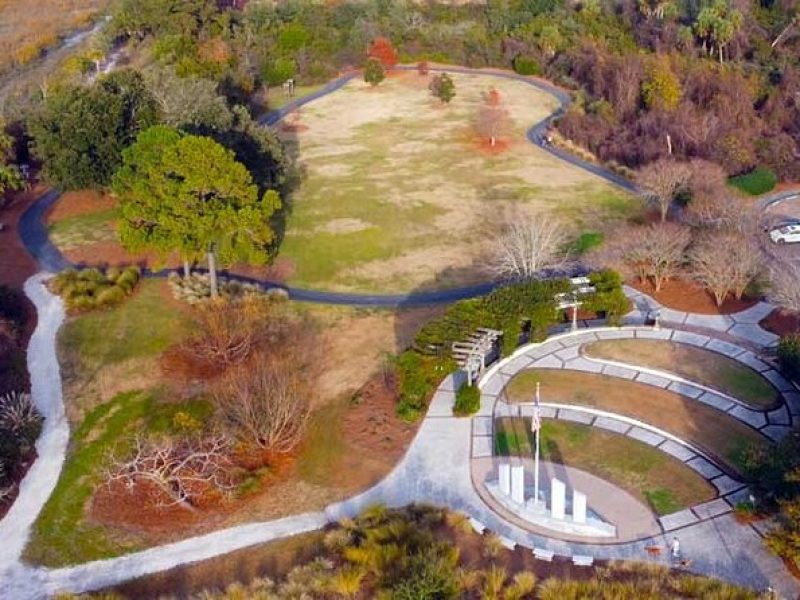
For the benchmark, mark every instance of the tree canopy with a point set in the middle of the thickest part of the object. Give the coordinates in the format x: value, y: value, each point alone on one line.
x: 80, y: 133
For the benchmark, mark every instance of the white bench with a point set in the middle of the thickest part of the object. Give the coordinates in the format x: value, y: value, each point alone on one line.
x: 477, y: 526
x: 507, y: 542
x: 542, y: 554
x: 582, y: 560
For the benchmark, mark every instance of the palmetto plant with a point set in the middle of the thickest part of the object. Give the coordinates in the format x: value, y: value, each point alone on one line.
x: 19, y: 416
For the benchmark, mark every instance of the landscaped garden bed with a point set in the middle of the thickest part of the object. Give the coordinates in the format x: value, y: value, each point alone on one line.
x: 661, y: 482
x: 698, y: 365
x: 719, y: 434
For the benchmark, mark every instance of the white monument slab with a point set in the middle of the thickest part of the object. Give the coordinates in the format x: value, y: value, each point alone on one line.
x: 518, y: 484
x: 504, y: 478
x: 558, y: 497
x: 578, y: 507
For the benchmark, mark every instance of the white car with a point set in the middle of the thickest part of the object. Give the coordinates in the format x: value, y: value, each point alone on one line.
x: 789, y: 234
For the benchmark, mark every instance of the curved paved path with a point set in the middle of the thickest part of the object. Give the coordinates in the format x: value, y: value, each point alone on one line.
x: 435, y: 469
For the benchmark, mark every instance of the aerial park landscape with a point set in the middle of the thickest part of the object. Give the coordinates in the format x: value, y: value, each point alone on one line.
x: 357, y: 300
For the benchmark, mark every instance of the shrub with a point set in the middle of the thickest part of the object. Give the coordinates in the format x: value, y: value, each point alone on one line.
x: 789, y: 355
x: 468, y: 400
x: 90, y: 289
x: 374, y: 72
x: 109, y: 296
x: 756, y: 182
x: 526, y: 65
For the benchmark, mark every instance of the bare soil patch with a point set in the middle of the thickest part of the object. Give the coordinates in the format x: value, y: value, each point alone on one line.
x: 690, y: 296
x: 73, y: 204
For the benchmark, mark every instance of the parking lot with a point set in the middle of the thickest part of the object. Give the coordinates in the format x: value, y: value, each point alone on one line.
x: 787, y: 208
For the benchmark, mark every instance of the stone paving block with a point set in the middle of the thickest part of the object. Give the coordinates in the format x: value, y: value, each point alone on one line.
x: 482, y: 447
x: 548, y: 362
x: 543, y: 350
x: 502, y: 409
x: 569, y: 353
x: 654, y: 380
x: 621, y: 372
x: 739, y: 496
x: 715, y: 322
x: 778, y: 380
x: 687, y: 337
x: 482, y: 425
x: 566, y: 414
x: 517, y: 364
x: 752, y: 361
x: 731, y: 350
x: 672, y: 316
x: 717, y: 401
x: 547, y: 412
x: 495, y: 385
x: 654, y: 334
x: 646, y: 436
x: 779, y: 416
x: 442, y: 404
x: 711, y: 509
x: 765, y: 526
x: 726, y: 484
x: 678, y: 519
x: 775, y: 432
x: 754, y: 314
x: 793, y: 402
x: 704, y: 467
x: 677, y: 450
x: 753, y: 333
x: 614, y: 334
x: 578, y: 339
x: 582, y: 364
x: 611, y: 424
x: 751, y: 417
x: 685, y: 389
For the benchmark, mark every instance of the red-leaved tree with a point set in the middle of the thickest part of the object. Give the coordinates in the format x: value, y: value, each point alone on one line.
x: 383, y: 51
x: 493, y: 117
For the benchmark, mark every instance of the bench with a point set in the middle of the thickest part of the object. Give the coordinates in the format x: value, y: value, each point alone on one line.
x: 477, y: 526
x: 542, y: 554
x: 507, y: 542
x: 582, y: 560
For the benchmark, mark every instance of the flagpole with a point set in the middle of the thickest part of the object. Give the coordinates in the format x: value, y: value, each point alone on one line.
x: 538, y: 424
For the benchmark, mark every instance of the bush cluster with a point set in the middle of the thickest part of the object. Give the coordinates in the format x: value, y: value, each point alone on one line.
x: 468, y: 400
x: 90, y: 289
x: 523, y: 312
x: 525, y: 65
x: 197, y: 287
x: 789, y: 355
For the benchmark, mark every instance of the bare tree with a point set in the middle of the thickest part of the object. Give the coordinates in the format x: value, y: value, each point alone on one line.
x: 785, y: 285
x: 493, y: 117
x: 726, y: 262
x: 266, y: 405
x: 526, y: 248
x: 182, y: 471
x: 661, y: 180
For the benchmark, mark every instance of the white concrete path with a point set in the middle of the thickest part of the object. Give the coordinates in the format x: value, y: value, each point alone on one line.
x: 436, y: 469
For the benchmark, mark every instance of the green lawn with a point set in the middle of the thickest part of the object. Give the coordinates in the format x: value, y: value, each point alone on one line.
x: 143, y: 326
x: 84, y: 229
x: 277, y: 99
x: 660, y: 481
x: 756, y: 182
x: 717, y: 433
x: 695, y: 364
x: 62, y: 534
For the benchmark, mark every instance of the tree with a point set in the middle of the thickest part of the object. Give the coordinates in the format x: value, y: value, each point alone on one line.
x: 423, y: 68
x: 374, y: 72
x: 80, y: 133
x: 785, y: 284
x: 493, y: 117
x: 526, y: 248
x: 717, y: 24
x: 711, y: 202
x: 443, y: 88
x: 661, y: 88
x: 188, y: 193
x: 726, y: 262
x: 10, y: 177
x: 383, y: 51
x: 187, y: 101
x: 182, y: 472
x: 662, y: 180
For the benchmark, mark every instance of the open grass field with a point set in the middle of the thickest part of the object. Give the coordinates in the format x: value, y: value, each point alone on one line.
x: 661, y: 482
x: 399, y: 192
x: 696, y: 364
x: 25, y: 33
x: 719, y: 434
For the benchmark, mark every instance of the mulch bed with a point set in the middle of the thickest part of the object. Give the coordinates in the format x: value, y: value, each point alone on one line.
x: 781, y: 322
x: 73, y: 204
x: 689, y: 296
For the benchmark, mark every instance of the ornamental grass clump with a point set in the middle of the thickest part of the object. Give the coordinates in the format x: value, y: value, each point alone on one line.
x: 91, y: 289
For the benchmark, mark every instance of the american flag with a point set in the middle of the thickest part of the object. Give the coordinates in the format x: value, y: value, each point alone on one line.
x: 536, y: 420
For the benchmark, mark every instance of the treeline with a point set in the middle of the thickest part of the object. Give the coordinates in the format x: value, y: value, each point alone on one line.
x: 715, y: 79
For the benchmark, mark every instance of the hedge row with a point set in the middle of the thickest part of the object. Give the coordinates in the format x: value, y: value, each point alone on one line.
x: 523, y: 312
x: 90, y: 289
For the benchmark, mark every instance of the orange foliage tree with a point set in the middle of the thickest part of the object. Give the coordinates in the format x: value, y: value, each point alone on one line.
x: 383, y: 51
